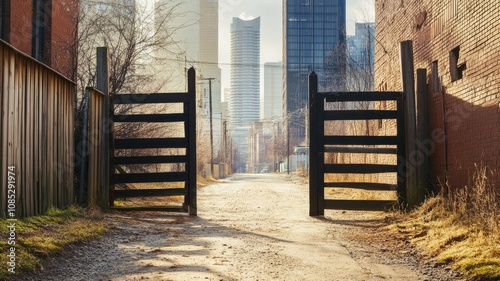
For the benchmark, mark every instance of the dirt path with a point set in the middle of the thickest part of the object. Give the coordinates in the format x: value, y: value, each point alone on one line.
x: 251, y: 227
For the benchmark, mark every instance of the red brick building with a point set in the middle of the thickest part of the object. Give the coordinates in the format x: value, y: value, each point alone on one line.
x: 458, y: 42
x: 43, y: 29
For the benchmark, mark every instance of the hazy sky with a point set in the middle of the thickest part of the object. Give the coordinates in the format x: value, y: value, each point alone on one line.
x: 270, y: 12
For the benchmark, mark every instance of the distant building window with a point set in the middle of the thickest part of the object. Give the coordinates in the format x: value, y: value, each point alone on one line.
x: 435, y: 77
x: 37, y: 30
x: 456, y: 69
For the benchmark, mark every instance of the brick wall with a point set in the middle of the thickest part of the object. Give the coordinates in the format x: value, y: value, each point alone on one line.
x: 467, y: 110
x: 60, y: 32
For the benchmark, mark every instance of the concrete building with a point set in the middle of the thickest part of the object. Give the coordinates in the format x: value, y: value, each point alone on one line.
x: 313, y: 40
x: 44, y: 30
x: 271, y: 101
x: 245, y: 83
x: 457, y: 42
x: 195, y: 27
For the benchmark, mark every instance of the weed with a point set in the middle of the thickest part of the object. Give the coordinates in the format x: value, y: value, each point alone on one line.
x: 460, y: 226
x: 41, y: 236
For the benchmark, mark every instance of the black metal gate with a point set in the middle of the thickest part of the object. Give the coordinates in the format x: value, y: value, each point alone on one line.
x: 321, y: 144
x: 185, y: 161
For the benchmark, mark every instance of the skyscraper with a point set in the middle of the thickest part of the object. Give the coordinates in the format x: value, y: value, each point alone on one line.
x: 193, y: 27
x: 271, y: 103
x: 313, y: 40
x: 245, y: 83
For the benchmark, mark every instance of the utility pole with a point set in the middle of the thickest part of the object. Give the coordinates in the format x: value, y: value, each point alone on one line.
x: 211, y: 125
x: 288, y: 146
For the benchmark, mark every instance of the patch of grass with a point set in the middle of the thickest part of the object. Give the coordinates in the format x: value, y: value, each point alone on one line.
x: 41, y: 236
x: 461, y: 227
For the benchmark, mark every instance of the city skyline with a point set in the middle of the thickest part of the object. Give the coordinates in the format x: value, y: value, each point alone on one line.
x: 270, y: 13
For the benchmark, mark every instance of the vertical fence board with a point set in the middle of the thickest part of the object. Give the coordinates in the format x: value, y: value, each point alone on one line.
x: 422, y: 135
x: 313, y: 146
x: 36, y: 140
x: 193, y: 209
x: 16, y: 128
x: 29, y: 138
x: 407, y: 74
x: 3, y: 168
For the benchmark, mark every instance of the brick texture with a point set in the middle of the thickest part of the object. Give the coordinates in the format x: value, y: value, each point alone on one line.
x: 60, y: 32
x: 464, y: 125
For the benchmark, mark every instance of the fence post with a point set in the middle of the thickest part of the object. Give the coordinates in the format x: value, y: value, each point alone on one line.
x: 107, y: 138
x: 401, y: 151
x: 314, y: 150
x: 191, y: 150
x: 423, y: 135
x: 408, y: 79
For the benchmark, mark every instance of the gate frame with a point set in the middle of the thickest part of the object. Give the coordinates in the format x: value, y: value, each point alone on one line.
x: 317, y: 202
x: 189, y: 106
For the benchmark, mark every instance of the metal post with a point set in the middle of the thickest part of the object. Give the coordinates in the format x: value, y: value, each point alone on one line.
x: 288, y: 145
x: 211, y: 128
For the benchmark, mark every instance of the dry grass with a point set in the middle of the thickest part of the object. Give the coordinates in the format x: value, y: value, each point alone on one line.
x: 461, y: 227
x: 42, y: 236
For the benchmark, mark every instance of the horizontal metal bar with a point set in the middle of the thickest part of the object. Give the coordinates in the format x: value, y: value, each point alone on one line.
x: 151, y: 209
x: 362, y: 185
x: 360, y: 205
x: 151, y: 118
x: 129, y: 193
x: 149, y: 160
x: 150, y: 98
x: 350, y: 149
x: 359, y: 168
x: 150, y: 143
x: 360, y: 114
x: 150, y: 177
x: 361, y: 96
x: 360, y: 140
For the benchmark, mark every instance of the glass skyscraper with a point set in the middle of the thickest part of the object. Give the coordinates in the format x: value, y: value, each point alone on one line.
x: 314, y: 39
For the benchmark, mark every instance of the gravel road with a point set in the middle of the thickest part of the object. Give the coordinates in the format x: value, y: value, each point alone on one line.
x: 249, y: 227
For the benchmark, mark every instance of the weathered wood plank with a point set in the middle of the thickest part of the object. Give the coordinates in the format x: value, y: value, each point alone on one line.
x: 191, y: 139
x: 17, y: 127
x: 422, y: 123
x: 151, y: 209
x: 150, y: 143
x: 130, y: 193
x: 150, y: 98
x: 351, y: 149
x: 360, y: 96
x: 360, y: 205
x: 150, y: 177
x: 362, y: 185
x: 360, y: 140
x: 360, y: 168
x: 3, y: 136
x: 360, y: 114
x: 151, y: 118
x: 150, y: 160
x: 29, y: 138
x: 408, y: 78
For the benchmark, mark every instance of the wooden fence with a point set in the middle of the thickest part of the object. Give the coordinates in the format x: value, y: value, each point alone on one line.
x: 320, y: 143
x: 36, y: 135
x: 92, y: 149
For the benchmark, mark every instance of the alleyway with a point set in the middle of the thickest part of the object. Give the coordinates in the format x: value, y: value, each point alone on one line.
x: 250, y: 227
